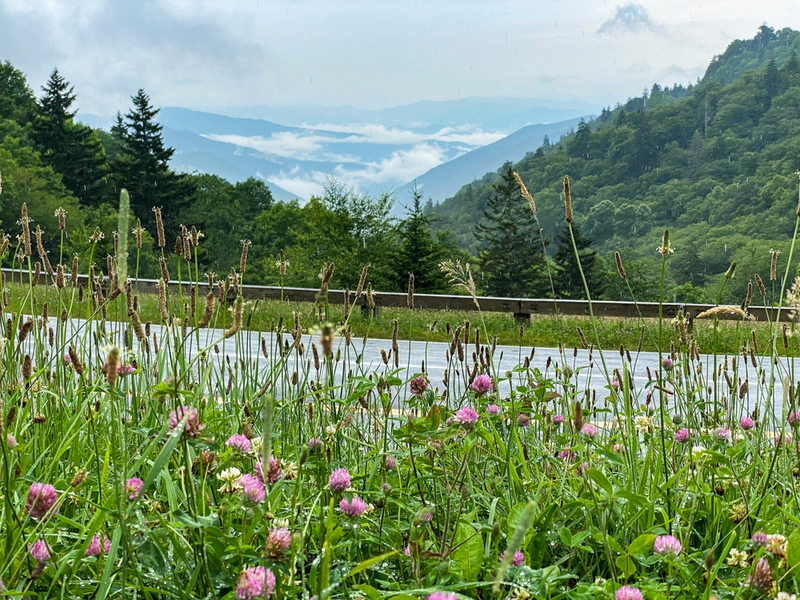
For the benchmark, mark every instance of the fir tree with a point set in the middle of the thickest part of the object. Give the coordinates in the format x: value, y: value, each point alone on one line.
x: 420, y: 252
x: 511, y: 255
x: 143, y: 166
x: 568, y: 281
x: 72, y: 149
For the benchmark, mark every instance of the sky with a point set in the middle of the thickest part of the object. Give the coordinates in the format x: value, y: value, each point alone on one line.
x: 209, y: 54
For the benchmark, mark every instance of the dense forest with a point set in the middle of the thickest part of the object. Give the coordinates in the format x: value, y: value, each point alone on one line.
x: 714, y: 162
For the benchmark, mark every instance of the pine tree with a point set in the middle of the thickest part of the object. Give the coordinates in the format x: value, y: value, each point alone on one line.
x: 420, y: 252
x: 143, y: 166
x: 579, y: 145
x: 568, y: 281
x: 72, y: 149
x: 511, y: 255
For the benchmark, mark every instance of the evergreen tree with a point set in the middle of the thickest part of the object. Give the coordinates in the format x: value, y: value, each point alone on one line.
x: 420, y: 252
x: 72, y: 149
x: 568, y: 280
x: 143, y: 167
x: 578, y: 145
x: 16, y: 98
x: 511, y: 255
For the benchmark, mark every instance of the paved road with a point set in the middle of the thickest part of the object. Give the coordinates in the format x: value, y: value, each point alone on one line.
x: 414, y: 357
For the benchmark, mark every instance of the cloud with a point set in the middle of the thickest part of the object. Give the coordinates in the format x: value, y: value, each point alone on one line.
x: 304, y: 186
x: 310, y: 144
x: 402, y: 166
x: 630, y: 18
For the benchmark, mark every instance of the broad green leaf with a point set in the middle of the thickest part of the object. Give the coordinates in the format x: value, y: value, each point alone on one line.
x: 642, y: 544
x: 468, y: 553
x: 626, y: 564
x: 601, y: 480
x: 793, y: 550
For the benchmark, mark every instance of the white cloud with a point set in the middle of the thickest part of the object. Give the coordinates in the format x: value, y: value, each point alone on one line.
x: 402, y: 166
x: 631, y: 18
x: 305, y: 185
x: 380, y: 134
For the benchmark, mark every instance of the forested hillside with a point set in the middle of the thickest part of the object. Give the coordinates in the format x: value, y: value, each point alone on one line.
x: 714, y: 162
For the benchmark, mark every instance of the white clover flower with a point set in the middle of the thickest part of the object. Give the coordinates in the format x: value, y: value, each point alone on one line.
x: 785, y: 596
x: 737, y: 558
x: 230, y: 480
x: 698, y: 453
x: 255, y: 446
x: 278, y: 523
x: 642, y: 423
x: 330, y: 430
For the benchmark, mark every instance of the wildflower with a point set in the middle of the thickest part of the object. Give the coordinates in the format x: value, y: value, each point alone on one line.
x: 698, y: 452
x: 780, y: 440
x: 627, y: 592
x: 566, y: 454
x: 125, y: 369
x: 290, y: 470
x: 482, y: 385
x: 255, y: 441
x: 255, y: 583
x: 339, y: 480
x: 133, y: 486
x: 723, y: 435
x: 252, y: 489
x: 193, y: 425
x: 230, y: 480
x: 67, y: 359
x: 558, y: 420
x: 737, y: 558
x: 642, y: 423
x: 466, y: 416
x: 776, y: 545
x: 41, y: 502
x: 442, y: 596
x: 239, y: 442
x: 746, y: 423
x: 418, y: 385
x: 666, y: 545
x: 794, y: 417
x: 523, y: 420
x: 589, y: 431
x: 759, y: 538
x: 785, y: 596
x: 682, y: 436
x: 11, y: 441
x: 94, y: 548
x: 39, y: 551
x: 273, y: 474
x: 493, y: 409
x: 389, y: 462
x: 279, y: 540
x: 761, y: 577
x: 425, y: 516
x: 518, y: 560
x: 615, y: 384
x: 315, y: 444
x: 353, y: 508
x: 667, y: 364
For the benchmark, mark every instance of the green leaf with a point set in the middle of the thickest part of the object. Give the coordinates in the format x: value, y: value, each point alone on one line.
x: 626, y: 564
x: 601, y: 480
x: 370, y: 562
x: 468, y: 553
x: 642, y: 544
x: 565, y: 536
x: 524, y: 520
x: 793, y: 550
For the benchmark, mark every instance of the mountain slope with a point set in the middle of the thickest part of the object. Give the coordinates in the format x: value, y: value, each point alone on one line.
x: 443, y: 181
x: 715, y: 164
